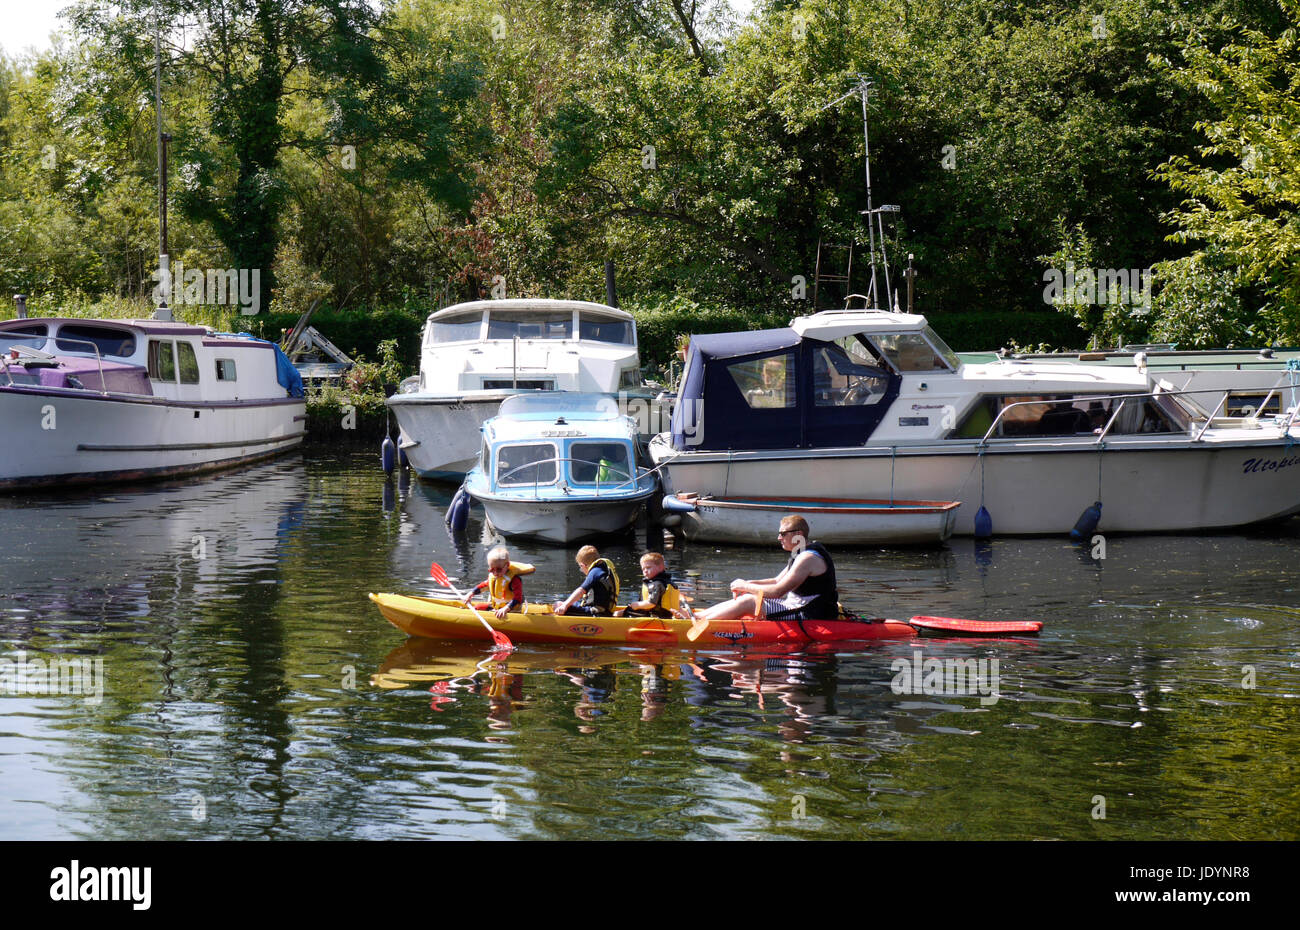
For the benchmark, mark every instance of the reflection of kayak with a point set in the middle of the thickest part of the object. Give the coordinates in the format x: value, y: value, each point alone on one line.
x: 445, y: 618
x: 422, y: 661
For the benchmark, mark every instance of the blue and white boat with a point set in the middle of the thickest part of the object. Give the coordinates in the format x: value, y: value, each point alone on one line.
x: 560, y: 466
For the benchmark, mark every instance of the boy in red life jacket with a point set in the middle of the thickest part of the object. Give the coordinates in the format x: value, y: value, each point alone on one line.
x: 505, y: 585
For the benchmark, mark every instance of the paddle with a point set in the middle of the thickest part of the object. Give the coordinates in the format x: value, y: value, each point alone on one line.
x: 440, y: 576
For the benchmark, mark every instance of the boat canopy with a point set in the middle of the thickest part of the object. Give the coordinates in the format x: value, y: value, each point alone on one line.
x: 770, y: 389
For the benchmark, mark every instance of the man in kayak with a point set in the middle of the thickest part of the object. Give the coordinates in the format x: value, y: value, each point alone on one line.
x: 598, y: 591
x: 805, y: 590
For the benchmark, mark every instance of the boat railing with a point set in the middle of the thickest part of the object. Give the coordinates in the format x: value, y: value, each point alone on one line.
x: 38, y: 354
x: 1151, y: 395
x: 633, y: 481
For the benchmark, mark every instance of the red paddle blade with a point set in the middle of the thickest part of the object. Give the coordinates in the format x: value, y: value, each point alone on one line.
x: 438, y: 575
x: 502, y: 640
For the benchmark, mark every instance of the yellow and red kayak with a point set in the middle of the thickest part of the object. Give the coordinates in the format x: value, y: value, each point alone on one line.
x: 446, y: 618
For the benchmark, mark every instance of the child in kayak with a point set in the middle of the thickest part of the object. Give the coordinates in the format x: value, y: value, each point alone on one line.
x: 598, y: 591
x: 504, y: 583
x: 659, y: 596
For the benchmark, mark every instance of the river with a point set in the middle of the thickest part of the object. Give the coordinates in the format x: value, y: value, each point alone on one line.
x: 225, y: 676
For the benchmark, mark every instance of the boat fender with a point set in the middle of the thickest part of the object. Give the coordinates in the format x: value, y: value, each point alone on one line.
x: 673, y: 505
x: 458, y: 511
x: 387, y: 454
x: 402, y: 460
x: 1087, y: 523
x: 983, y: 524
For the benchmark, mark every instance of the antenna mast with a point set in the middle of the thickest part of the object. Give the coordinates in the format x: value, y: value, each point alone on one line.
x: 875, y: 221
x: 163, y: 312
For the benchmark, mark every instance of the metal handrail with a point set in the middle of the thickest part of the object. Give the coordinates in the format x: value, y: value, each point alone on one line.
x: 99, y: 361
x: 632, y: 481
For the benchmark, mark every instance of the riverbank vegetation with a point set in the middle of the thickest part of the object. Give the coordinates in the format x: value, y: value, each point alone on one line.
x: 389, y: 158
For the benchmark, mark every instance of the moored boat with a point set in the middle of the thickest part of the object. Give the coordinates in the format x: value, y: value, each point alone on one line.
x: 874, y: 405
x: 445, y: 618
x: 838, y: 521
x: 88, y: 400
x: 560, y: 466
x: 474, y: 355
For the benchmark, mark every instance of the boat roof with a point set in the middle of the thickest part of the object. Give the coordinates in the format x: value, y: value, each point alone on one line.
x: 531, y: 305
x: 157, y: 327
x: 833, y: 324
x: 536, y: 416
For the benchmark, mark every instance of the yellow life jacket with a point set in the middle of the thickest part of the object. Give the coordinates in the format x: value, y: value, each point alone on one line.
x: 499, y: 585
x: 672, y: 599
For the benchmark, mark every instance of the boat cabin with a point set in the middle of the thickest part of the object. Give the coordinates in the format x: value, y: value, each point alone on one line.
x: 849, y: 378
x: 525, y: 344
x: 579, y: 441
x: 143, y: 357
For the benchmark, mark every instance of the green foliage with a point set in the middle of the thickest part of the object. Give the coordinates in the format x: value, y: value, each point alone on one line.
x: 1199, y: 306
x: 1244, y: 191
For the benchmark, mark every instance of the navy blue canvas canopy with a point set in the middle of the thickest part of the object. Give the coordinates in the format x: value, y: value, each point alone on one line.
x: 769, y: 389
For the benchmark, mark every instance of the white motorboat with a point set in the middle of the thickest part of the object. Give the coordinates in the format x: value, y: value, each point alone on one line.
x: 754, y: 520
x: 873, y: 405
x: 475, y: 355
x: 561, y: 467
x: 88, y: 400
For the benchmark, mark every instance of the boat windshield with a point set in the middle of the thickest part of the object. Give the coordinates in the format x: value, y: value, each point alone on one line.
x: 531, y: 463
x: 457, y: 327
x: 602, y: 329
x: 600, y: 463
x: 923, y: 351
x: 78, y: 339
x: 533, y: 325
x: 28, y: 340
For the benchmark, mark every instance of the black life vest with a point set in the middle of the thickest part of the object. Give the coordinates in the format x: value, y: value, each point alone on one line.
x: 822, y: 588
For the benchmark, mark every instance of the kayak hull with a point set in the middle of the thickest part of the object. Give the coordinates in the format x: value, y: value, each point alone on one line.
x: 442, y: 618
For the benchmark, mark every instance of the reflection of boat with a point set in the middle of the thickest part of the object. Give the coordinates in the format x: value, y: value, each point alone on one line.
x: 561, y: 467
x: 443, y: 618
x: 477, y: 354
x: 754, y: 520
x: 87, y: 401
x: 874, y: 405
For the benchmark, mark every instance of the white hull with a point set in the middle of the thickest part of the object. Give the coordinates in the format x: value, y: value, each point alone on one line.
x: 561, y: 522
x: 58, y: 438
x: 1147, y: 484
x: 440, y: 434
x: 731, y: 521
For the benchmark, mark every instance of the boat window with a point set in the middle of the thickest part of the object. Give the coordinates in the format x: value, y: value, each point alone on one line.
x: 1061, y: 415
x: 189, y: 363
x: 523, y: 384
x: 599, y: 463
x: 1245, y: 404
x: 226, y: 369
x: 942, y: 348
x: 29, y: 337
x: 911, y: 352
x: 109, y: 341
x: 162, y: 360
x: 602, y: 329
x: 535, y: 325
x: 457, y: 327
x: 630, y: 380
x: 841, y: 381
x: 766, y: 382
x: 526, y: 464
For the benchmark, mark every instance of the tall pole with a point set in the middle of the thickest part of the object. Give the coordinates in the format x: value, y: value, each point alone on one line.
x: 164, y: 263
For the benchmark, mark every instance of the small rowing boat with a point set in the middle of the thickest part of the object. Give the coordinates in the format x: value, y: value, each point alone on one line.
x: 840, y: 521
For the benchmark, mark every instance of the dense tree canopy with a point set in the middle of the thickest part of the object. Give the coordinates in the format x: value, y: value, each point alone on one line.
x: 404, y: 153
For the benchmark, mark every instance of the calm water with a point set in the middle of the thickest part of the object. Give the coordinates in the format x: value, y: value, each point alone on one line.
x: 250, y: 689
